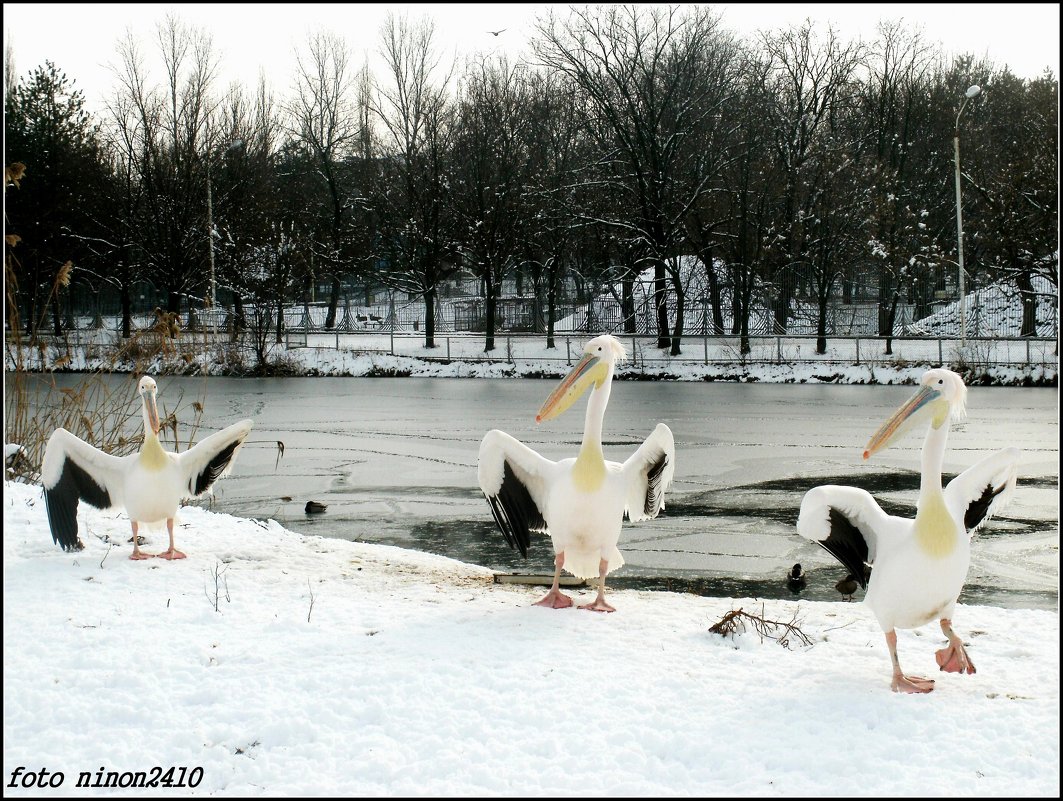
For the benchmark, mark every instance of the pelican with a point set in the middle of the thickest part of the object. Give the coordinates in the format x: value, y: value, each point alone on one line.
x: 150, y: 484
x: 920, y: 565
x: 579, y: 502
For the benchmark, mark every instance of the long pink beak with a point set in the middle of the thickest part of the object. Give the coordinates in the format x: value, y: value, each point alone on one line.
x: 560, y: 399
x: 892, y: 427
x: 152, y: 412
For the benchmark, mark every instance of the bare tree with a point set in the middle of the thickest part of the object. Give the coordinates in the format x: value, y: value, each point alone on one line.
x: 491, y: 157
x: 325, y: 120
x: 808, y: 79
x: 642, y: 70
x: 752, y: 181
x: 556, y: 144
x: 412, y: 107
x: 904, y: 167
x: 247, y: 203
x: 1011, y: 193
x: 167, y: 128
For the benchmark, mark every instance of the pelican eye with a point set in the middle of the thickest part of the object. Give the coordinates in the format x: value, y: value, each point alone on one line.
x: 941, y: 380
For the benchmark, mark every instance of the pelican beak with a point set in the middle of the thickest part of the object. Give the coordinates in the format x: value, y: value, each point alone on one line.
x: 588, y: 370
x: 152, y: 412
x: 924, y: 402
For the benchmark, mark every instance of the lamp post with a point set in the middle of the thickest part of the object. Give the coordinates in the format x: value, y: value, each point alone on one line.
x: 972, y: 91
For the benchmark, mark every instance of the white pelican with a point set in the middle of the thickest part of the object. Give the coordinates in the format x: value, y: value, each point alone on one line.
x: 580, y: 502
x: 920, y: 565
x: 150, y: 484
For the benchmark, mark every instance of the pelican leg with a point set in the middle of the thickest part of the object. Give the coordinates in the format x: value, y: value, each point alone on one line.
x: 137, y: 553
x: 555, y: 599
x: 902, y: 683
x: 171, y: 552
x: 599, y: 604
x: 953, y: 658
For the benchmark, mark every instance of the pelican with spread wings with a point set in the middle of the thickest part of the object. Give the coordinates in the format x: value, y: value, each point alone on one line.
x: 580, y: 502
x: 150, y: 484
x: 920, y: 564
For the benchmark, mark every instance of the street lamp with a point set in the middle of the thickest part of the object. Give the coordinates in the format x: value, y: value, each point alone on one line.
x: 972, y: 91
x: 210, y: 238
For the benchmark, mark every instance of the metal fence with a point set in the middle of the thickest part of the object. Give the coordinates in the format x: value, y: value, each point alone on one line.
x: 990, y: 311
x: 643, y: 351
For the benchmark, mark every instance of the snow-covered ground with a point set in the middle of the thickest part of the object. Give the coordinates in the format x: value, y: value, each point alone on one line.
x: 995, y: 310
x: 338, y: 668
x: 773, y: 360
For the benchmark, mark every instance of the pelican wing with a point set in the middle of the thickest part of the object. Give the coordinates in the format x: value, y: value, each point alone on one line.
x: 212, y: 458
x: 75, y: 471
x: 846, y: 522
x: 513, y: 479
x: 983, y: 489
x: 648, y: 473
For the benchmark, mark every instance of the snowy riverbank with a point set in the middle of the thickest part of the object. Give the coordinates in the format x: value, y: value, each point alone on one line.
x: 773, y: 360
x: 416, y: 675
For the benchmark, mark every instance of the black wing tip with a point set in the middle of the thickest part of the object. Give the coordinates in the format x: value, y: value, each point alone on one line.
x: 978, y: 509
x: 846, y: 543
x: 515, y: 512
x: 502, y: 521
x: 215, y: 467
x: 653, y: 488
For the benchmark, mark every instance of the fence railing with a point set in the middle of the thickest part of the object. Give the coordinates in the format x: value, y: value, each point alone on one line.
x: 643, y: 351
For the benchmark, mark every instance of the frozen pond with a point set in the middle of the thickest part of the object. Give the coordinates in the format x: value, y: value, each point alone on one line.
x: 395, y: 461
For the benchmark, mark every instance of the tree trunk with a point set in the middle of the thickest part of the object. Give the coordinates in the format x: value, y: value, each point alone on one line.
x: 538, y: 318
x: 660, y: 305
x: 885, y: 292
x: 821, y: 327
x: 782, y: 300
x: 627, y: 303
x: 280, y: 311
x: 551, y: 305
x: 712, y: 284
x: 489, y: 311
x: 429, y: 296
x: 680, y: 307
x: 173, y: 302
x: 127, y: 310
x: 891, y: 315
x: 1029, y: 304
x: 333, y: 303
x: 239, y: 315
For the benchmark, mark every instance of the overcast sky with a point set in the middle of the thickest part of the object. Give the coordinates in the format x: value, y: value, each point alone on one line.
x: 80, y: 38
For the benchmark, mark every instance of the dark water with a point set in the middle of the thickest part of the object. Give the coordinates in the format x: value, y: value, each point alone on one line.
x: 394, y: 459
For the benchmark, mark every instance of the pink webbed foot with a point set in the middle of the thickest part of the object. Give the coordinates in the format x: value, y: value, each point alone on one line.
x: 911, y: 684
x: 598, y: 605
x: 954, y: 659
x: 171, y: 553
x: 555, y: 599
x: 138, y: 555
